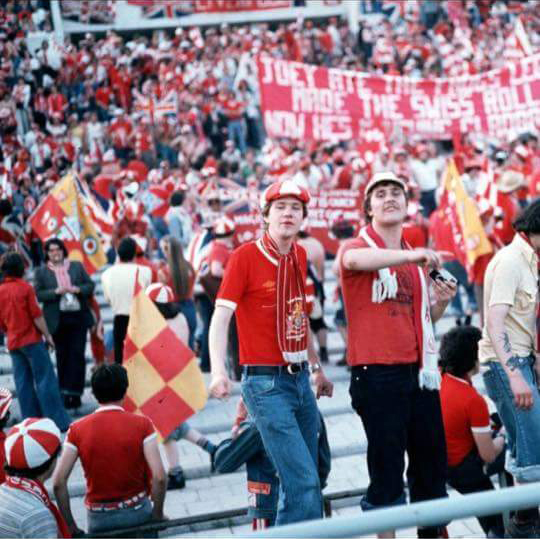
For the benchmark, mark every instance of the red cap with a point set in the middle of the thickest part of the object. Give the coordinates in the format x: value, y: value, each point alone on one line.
x: 282, y: 189
x: 160, y: 293
x: 31, y: 443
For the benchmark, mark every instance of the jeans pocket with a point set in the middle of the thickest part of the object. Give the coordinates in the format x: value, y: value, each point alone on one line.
x: 259, y: 385
x: 492, y: 383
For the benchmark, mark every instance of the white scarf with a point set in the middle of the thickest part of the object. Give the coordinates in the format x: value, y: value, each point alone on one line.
x: 386, y: 287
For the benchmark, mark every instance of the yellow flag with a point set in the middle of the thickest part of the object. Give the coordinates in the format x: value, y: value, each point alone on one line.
x: 474, y: 241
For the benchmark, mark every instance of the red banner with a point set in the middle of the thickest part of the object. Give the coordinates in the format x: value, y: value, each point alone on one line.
x: 303, y: 101
x: 178, y: 8
x: 326, y: 206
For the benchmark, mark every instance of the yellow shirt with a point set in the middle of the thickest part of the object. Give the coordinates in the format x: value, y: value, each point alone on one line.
x: 512, y: 279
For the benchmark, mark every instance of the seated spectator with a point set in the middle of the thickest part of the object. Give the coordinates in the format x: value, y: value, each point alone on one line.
x: 133, y: 490
x: 26, y: 510
x: 466, y: 421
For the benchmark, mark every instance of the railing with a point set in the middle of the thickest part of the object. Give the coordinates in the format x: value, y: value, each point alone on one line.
x: 145, y: 529
x: 430, y: 513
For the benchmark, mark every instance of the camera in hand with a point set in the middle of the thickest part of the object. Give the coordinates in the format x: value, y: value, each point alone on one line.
x: 442, y: 275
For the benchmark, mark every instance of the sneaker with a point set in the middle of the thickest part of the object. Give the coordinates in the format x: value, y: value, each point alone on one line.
x: 522, y: 529
x: 177, y: 481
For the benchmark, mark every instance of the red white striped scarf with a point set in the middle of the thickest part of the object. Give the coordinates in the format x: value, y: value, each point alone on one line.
x: 38, y: 490
x: 292, y: 319
x: 61, y: 272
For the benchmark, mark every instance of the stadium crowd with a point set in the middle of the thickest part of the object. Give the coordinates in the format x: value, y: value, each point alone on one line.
x: 166, y: 136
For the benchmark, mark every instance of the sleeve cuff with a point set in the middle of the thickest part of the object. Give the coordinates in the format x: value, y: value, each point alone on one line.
x: 226, y: 303
x: 480, y: 430
x: 70, y: 446
x: 149, y: 438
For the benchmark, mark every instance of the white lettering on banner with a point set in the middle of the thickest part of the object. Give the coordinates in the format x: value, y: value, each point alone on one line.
x: 499, y: 124
x: 344, y: 81
x: 282, y: 123
x: 316, y: 100
x: 288, y: 73
x: 384, y: 105
x: 497, y: 100
x: 332, y: 127
x: 441, y: 106
x: 333, y: 104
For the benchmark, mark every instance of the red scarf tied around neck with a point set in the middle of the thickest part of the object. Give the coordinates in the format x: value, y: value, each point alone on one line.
x: 292, y: 320
x: 38, y: 490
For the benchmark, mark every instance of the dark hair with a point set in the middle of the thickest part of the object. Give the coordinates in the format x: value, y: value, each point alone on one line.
x: 127, y: 249
x: 177, y: 198
x: 180, y: 269
x: 54, y: 241
x: 459, y: 350
x: 367, y: 199
x: 528, y: 221
x: 13, y: 265
x: 5, y: 207
x: 168, y: 310
x: 109, y: 383
x: 33, y: 473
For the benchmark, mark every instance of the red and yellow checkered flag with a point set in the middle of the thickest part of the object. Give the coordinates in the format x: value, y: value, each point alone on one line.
x: 165, y: 382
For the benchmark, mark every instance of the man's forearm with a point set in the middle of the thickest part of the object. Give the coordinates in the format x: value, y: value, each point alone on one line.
x: 42, y: 326
x: 437, y: 310
x: 501, y: 343
x: 159, y: 488
x: 374, y: 259
x: 62, y: 497
x: 218, y: 338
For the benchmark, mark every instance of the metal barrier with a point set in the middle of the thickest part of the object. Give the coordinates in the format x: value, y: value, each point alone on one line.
x: 430, y: 513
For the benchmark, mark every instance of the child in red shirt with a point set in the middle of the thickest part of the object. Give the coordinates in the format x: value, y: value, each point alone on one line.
x: 466, y: 421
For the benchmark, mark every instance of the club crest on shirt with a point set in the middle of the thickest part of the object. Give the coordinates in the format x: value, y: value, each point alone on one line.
x: 296, y: 320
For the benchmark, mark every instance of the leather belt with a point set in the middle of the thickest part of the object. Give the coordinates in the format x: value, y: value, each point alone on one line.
x: 135, y: 502
x: 263, y: 370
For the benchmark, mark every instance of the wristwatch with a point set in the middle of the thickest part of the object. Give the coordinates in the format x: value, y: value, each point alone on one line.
x: 314, y: 367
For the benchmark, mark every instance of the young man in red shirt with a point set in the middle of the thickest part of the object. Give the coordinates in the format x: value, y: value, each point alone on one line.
x: 264, y: 285
x: 392, y: 351
x: 132, y: 490
x: 22, y: 320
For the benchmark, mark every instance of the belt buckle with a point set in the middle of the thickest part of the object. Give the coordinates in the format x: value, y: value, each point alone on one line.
x: 293, y: 368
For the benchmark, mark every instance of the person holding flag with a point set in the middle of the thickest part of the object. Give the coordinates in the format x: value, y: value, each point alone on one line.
x: 264, y: 286
x: 392, y: 351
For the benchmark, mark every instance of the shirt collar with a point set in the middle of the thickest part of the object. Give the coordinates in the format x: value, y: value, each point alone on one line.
x: 462, y: 380
x: 526, y: 250
x: 109, y: 407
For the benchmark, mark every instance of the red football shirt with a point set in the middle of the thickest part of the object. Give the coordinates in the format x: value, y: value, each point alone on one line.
x: 378, y: 333
x: 110, y: 444
x: 464, y: 411
x: 249, y: 287
x: 18, y: 309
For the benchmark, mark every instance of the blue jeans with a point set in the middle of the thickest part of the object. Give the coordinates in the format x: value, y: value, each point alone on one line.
x: 187, y: 308
x: 99, y: 521
x: 522, y: 426
x: 37, y: 385
x: 284, y: 410
x: 237, y: 133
